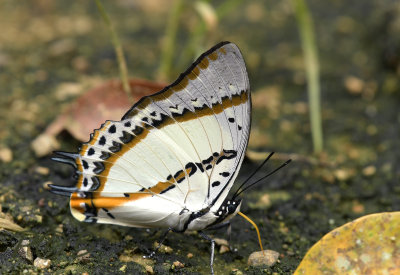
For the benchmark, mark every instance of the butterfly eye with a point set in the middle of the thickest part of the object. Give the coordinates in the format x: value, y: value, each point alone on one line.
x: 231, y: 208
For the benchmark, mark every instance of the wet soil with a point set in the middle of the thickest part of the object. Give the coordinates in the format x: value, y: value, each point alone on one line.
x: 45, y: 44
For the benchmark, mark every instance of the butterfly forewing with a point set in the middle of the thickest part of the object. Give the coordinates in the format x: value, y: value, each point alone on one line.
x: 177, y: 150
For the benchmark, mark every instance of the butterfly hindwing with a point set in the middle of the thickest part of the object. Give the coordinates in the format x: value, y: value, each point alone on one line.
x: 175, y: 151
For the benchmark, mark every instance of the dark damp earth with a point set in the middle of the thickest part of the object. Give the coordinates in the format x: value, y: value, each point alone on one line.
x: 47, y: 46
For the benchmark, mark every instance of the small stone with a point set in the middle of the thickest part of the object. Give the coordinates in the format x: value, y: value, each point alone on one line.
x: 83, y: 256
x: 128, y: 238
x: 219, y: 241
x: 265, y: 257
x: 25, y: 250
x: 44, y: 144
x: 369, y: 171
x: 123, y: 268
x: 46, y: 185
x: 177, y: 265
x: 42, y: 263
x: 149, y: 269
x: 189, y: 255
x: 60, y: 228
x: 354, y: 85
x: 236, y: 271
x: 223, y: 244
x: 42, y: 202
x: 163, y: 248
x: 223, y: 249
x: 39, y: 218
x: 6, y: 155
x: 42, y: 170
x: 341, y: 174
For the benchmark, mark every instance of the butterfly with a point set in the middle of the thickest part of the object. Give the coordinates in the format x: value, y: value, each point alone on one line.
x: 172, y: 159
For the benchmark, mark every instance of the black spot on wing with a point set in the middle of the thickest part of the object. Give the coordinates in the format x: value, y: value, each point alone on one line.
x: 91, y: 151
x: 215, y: 183
x: 102, y: 140
x: 200, y: 166
x: 192, y: 168
x: 104, y: 155
x: 126, y: 137
x: 228, y: 154
x: 116, y: 146
x: 224, y: 174
x: 85, y: 164
x: 95, y: 183
x: 112, y: 129
x: 137, y: 130
x: 99, y: 167
x: 206, y: 161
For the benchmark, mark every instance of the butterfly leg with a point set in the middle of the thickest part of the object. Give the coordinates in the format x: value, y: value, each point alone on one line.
x: 228, y: 231
x: 159, y: 244
x: 208, y: 238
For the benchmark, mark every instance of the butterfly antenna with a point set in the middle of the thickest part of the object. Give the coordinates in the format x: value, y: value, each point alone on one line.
x: 252, y: 174
x: 257, y: 181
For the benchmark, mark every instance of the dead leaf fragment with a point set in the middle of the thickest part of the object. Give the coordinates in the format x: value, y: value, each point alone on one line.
x: 10, y: 225
x: 107, y: 101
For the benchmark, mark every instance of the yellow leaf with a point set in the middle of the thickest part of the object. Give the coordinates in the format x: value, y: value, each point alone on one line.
x: 368, y: 245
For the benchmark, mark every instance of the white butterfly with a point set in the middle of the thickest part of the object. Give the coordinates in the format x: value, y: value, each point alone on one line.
x: 174, y: 156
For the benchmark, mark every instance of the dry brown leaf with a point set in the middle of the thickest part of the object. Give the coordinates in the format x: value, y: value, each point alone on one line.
x: 107, y: 101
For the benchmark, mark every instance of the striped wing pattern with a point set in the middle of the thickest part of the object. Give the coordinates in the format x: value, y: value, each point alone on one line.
x: 177, y: 151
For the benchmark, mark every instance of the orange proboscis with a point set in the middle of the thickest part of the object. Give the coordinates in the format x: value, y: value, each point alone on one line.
x: 255, y: 226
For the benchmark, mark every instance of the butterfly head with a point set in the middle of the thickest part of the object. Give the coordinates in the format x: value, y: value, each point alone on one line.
x: 228, y: 209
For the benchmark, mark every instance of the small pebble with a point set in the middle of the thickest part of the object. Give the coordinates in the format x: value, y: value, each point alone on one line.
x: 149, y: 269
x: 178, y: 264
x: 354, y: 85
x: 25, y: 250
x: 46, y: 185
x: 164, y: 249
x: 83, y: 256
x: 42, y: 263
x: 123, y: 268
x: 42, y: 170
x: 341, y: 174
x: 269, y: 258
x: 6, y: 155
x: 219, y: 241
x: 60, y: 228
x: 236, y: 271
x: 369, y: 171
x: 44, y: 144
x: 223, y: 249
